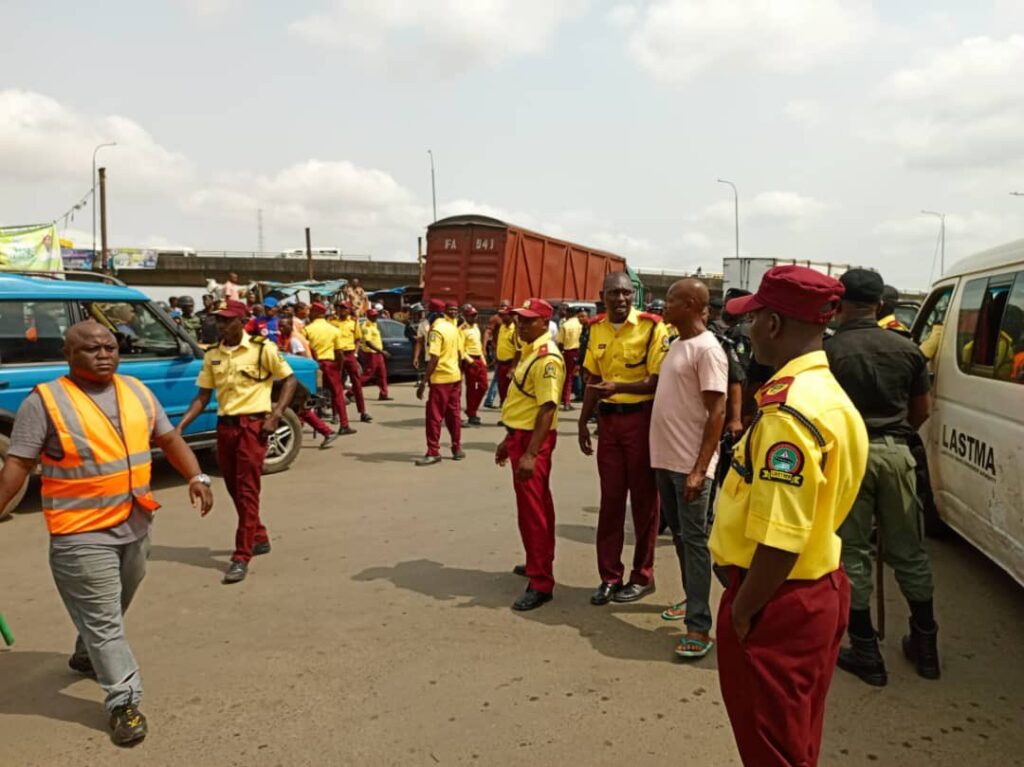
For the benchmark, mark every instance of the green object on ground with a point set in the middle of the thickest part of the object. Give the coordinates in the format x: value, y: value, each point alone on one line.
x: 5, y: 631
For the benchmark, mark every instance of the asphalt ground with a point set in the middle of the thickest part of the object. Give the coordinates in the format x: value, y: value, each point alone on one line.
x: 378, y: 632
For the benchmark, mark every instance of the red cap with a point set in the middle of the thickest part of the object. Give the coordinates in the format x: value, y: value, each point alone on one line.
x: 372, y: 313
x: 451, y: 305
x: 435, y: 305
x: 469, y: 309
x: 534, y: 308
x: 233, y: 309
x: 793, y: 291
x: 316, y: 306
x: 344, y: 304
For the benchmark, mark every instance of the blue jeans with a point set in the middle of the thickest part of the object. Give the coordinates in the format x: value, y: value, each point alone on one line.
x: 689, y: 525
x: 492, y: 392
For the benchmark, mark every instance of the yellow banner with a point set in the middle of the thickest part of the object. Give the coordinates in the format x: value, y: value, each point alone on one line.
x: 30, y: 249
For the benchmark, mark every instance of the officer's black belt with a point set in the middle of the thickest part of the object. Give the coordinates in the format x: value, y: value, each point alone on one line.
x: 608, y: 408
x: 237, y: 420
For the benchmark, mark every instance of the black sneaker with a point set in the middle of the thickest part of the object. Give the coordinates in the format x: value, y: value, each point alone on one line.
x: 236, y: 572
x: 382, y: 398
x: 344, y: 432
x: 428, y: 460
x: 82, y: 665
x: 127, y: 725
x: 366, y: 418
x: 329, y: 440
x: 261, y: 548
x: 474, y: 420
x: 458, y: 455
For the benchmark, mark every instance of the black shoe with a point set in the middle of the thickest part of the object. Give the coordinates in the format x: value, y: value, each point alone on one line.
x: 604, y: 593
x: 531, y: 600
x: 490, y: 406
x: 335, y: 419
x: 382, y: 398
x: 922, y: 649
x: 501, y: 424
x: 474, y: 420
x: 631, y: 592
x: 82, y: 665
x: 329, y: 440
x: 863, y: 659
x: 261, y: 548
x: 344, y: 432
x: 236, y: 572
x: 428, y: 460
x: 519, y: 570
x: 366, y: 418
x: 458, y: 455
x: 127, y: 725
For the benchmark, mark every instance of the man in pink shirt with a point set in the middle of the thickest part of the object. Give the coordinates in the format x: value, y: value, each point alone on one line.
x: 686, y: 425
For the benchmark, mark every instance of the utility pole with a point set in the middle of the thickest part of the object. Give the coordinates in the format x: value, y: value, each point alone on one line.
x: 93, y: 180
x: 259, y: 229
x: 309, y: 256
x: 942, y: 238
x: 105, y: 266
x: 736, y: 205
x: 433, y: 183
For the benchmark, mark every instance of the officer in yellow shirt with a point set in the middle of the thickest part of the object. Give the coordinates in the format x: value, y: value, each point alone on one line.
x: 568, y: 338
x: 325, y: 343
x: 444, y: 372
x: 530, y: 415
x: 793, y: 479
x: 375, y: 355
x: 474, y: 365
x: 242, y: 369
x: 347, y: 323
x: 506, y: 350
x: 623, y: 359
x: 887, y: 312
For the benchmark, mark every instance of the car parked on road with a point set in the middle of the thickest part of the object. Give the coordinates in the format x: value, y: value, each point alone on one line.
x: 35, y: 312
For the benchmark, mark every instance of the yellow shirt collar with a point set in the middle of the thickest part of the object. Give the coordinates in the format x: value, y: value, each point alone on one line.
x: 802, y: 364
x: 530, y: 348
x: 245, y: 343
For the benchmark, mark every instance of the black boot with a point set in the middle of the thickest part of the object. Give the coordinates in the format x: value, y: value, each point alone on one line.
x: 863, y: 659
x: 922, y: 649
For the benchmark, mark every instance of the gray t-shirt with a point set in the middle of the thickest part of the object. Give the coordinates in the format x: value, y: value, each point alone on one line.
x: 33, y: 434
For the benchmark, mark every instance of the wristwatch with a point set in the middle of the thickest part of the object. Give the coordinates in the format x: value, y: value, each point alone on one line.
x: 204, y: 478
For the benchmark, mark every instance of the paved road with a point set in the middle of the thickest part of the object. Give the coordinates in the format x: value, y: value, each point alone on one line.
x: 378, y: 633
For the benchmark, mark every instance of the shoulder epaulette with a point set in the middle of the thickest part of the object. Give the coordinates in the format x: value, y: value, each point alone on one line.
x: 543, y: 351
x: 655, y: 318
x: 774, y: 392
x: 598, y: 317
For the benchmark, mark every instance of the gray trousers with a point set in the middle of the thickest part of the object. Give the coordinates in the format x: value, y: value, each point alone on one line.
x: 689, y: 525
x: 97, y: 583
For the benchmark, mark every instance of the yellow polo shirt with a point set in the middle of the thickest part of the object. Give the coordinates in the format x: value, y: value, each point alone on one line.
x: 569, y: 334
x: 323, y: 338
x: 371, y: 334
x: 444, y: 343
x: 537, y: 380
x: 508, y: 342
x: 350, y: 333
x: 471, y: 340
x: 791, y: 484
x: 629, y: 354
x: 243, y: 377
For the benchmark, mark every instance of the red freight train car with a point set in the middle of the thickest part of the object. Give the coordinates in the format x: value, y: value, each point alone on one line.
x: 481, y: 260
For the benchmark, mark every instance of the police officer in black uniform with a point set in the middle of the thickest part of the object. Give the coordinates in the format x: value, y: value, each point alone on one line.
x: 886, y: 377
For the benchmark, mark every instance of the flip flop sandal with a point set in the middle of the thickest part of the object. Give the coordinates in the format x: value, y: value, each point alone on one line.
x: 705, y: 648
x: 676, y: 612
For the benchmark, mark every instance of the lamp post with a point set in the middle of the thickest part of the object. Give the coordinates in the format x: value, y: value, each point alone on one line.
x: 433, y: 183
x: 94, y: 151
x: 942, y: 238
x: 736, y: 201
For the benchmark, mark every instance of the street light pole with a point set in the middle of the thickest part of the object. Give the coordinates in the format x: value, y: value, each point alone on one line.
x: 942, y: 238
x: 433, y: 183
x: 94, y: 151
x: 736, y: 201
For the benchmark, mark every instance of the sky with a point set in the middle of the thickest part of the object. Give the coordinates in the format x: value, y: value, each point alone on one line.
x: 608, y: 123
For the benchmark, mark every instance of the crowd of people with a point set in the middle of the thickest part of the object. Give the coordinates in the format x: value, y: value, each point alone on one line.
x: 773, y: 447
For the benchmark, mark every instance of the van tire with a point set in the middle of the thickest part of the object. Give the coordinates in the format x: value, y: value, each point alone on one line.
x: 284, y: 445
x: 5, y: 444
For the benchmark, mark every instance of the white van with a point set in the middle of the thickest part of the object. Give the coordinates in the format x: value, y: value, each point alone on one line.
x: 973, y: 318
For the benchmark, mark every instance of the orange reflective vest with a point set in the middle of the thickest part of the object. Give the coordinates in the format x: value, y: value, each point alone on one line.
x: 93, y: 486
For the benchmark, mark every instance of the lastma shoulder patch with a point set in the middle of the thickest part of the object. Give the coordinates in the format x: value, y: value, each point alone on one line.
x: 774, y: 392
x: 550, y: 370
x: 783, y: 463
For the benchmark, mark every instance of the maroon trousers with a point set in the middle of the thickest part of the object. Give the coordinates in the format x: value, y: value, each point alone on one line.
x: 572, y: 358
x: 348, y: 365
x: 476, y: 385
x: 312, y: 419
x: 241, y: 449
x: 775, y: 682
x: 375, y: 368
x: 503, y: 370
x: 535, y: 508
x: 443, y: 405
x: 332, y: 380
x: 624, y: 465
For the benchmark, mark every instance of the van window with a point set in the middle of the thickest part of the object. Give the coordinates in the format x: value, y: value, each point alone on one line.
x: 139, y: 332
x: 984, y: 348
x: 32, y: 331
x: 1013, y: 331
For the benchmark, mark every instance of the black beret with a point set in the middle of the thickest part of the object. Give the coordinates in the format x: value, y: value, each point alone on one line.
x: 863, y: 286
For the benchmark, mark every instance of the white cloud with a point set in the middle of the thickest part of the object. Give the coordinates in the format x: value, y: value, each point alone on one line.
x: 44, y: 140
x: 207, y: 9
x: 963, y: 107
x: 675, y: 39
x: 807, y: 113
x: 773, y: 206
x: 451, y: 34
